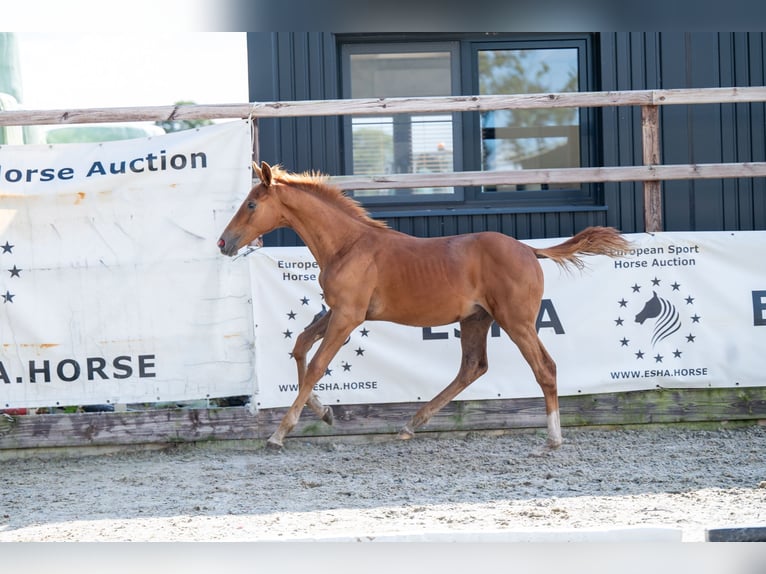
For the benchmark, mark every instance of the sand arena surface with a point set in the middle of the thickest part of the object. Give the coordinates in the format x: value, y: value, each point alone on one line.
x: 685, y: 479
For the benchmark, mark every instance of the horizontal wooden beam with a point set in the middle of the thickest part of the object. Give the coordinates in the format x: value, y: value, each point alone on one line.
x: 237, y: 423
x: 385, y: 106
x: 554, y: 176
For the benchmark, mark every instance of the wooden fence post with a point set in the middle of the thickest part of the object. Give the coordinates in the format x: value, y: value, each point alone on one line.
x: 256, y: 147
x: 650, y: 140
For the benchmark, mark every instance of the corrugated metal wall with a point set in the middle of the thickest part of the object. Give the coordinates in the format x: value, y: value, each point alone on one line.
x: 297, y: 66
x: 690, y: 134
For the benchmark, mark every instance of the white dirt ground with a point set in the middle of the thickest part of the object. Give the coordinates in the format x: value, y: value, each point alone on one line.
x: 480, y: 483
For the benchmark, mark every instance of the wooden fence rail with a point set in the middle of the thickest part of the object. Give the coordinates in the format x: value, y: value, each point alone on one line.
x: 699, y: 405
x: 386, y: 106
x: 651, y: 173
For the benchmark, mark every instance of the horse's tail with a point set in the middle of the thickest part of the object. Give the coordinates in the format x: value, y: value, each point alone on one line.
x: 590, y: 241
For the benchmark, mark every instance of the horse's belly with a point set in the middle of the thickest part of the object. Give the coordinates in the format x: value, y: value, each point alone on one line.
x: 421, y: 312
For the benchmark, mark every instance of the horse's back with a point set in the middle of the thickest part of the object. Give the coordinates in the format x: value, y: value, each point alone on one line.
x: 434, y: 281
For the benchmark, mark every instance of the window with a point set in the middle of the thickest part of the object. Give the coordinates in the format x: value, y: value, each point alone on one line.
x: 401, y: 143
x: 470, y: 141
x: 528, y: 139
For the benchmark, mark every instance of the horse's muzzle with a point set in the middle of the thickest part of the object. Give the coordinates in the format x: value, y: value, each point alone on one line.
x: 228, y: 247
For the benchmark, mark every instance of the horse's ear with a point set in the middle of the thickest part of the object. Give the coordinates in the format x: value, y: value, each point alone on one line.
x: 257, y: 171
x: 265, y: 174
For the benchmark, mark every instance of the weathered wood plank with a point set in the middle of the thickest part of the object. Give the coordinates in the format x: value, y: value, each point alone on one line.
x: 237, y: 423
x: 650, y: 136
x: 385, y: 106
x: 651, y: 173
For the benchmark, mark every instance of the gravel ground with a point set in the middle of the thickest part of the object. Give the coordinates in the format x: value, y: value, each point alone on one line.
x: 684, y: 479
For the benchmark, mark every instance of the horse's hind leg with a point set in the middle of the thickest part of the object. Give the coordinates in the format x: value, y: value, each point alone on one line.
x: 303, y: 343
x: 544, y: 369
x: 473, y: 340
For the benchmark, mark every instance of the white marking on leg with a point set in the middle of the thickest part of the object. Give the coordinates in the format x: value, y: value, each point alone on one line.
x: 554, y: 429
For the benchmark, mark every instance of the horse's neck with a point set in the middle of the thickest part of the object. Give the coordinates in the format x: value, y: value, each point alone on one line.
x: 324, y: 227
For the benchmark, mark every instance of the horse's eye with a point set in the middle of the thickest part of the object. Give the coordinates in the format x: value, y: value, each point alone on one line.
x: 251, y: 205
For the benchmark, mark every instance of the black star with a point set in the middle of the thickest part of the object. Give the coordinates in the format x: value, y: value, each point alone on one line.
x: 14, y: 272
x: 690, y: 338
x: 8, y: 297
x: 655, y: 282
x: 623, y: 302
x: 640, y: 355
x: 619, y: 321
x: 364, y: 332
x: 288, y: 334
x: 291, y: 315
x: 636, y: 288
x: 346, y: 366
x: 624, y: 342
x: 689, y: 300
x: 677, y: 354
x: 305, y: 301
x: 360, y: 352
x: 7, y: 248
x: 695, y: 318
x: 675, y: 286
x: 328, y: 372
x: 658, y: 358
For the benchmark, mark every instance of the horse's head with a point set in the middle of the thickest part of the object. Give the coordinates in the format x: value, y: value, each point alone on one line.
x: 258, y: 214
x: 651, y: 309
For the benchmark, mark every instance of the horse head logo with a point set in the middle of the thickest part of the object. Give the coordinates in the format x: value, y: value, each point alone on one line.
x: 668, y: 320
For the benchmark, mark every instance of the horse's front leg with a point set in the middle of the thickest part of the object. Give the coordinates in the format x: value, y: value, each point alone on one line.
x: 310, y: 335
x: 337, y: 331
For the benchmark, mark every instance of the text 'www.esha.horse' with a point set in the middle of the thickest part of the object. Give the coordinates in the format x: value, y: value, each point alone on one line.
x: 370, y: 272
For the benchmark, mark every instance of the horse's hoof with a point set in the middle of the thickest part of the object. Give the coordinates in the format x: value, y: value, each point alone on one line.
x: 405, y: 434
x: 274, y: 445
x: 328, y: 416
x: 553, y: 444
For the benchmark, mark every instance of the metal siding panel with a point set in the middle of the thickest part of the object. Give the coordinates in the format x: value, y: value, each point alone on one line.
x: 730, y: 188
x: 536, y: 225
x: 435, y: 226
x: 508, y: 224
x: 262, y: 87
x: 419, y: 227
x: 614, y: 193
x: 756, y: 57
x: 566, y: 225
x: 477, y: 223
x: 464, y: 224
x: 300, y: 89
x: 706, y: 131
x: 581, y: 219
x: 622, y: 130
x: 403, y: 224
x: 678, y: 199
x: 304, y: 67
x: 521, y: 226
x: 742, y: 211
x: 285, y: 153
x: 325, y: 86
x: 450, y: 225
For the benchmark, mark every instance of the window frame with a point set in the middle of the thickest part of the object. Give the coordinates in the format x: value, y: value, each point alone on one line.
x: 453, y: 47
x: 466, y: 125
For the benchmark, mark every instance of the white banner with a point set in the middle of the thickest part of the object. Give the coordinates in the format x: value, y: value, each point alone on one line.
x: 682, y: 310
x: 113, y: 289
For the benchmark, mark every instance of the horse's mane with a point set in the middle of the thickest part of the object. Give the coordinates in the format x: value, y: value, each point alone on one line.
x: 315, y: 182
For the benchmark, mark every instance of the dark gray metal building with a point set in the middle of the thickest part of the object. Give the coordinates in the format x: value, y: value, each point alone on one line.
x: 324, y: 65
